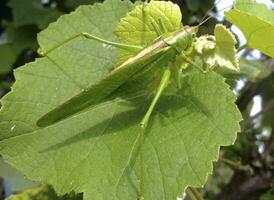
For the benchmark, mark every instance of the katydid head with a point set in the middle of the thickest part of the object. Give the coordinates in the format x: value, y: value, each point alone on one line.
x: 193, y: 30
x: 182, y: 39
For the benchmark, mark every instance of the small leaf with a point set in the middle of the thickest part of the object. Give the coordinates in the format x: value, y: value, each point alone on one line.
x: 43, y: 192
x: 253, y: 70
x: 215, y: 182
x: 220, y: 52
x: 8, y: 57
x: 137, y: 27
x: 256, y: 21
x: 195, y: 5
x: 32, y: 12
x: 72, y: 4
x: 4, y: 87
x: 18, y: 39
x: 269, y: 195
x: 21, y: 38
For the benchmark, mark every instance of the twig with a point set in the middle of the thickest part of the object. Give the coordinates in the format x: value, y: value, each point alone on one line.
x: 194, y: 194
x: 267, y: 108
x: 235, y: 165
x: 242, y: 47
x: 268, y: 146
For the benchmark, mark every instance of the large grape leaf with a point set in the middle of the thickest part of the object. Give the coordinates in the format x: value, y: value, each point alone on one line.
x: 256, y: 21
x: 96, y: 151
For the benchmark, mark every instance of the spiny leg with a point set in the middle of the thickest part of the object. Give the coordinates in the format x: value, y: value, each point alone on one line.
x: 130, y: 48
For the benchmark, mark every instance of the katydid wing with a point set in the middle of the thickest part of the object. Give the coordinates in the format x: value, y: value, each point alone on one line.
x: 97, y: 92
x: 160, y: 52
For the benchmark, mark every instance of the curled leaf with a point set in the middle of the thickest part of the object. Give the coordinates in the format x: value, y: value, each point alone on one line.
x: 218, y: 51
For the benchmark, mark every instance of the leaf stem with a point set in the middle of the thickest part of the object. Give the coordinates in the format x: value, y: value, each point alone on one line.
x: 194, y: 194
x: 235, y: 165
x: 242, y: 47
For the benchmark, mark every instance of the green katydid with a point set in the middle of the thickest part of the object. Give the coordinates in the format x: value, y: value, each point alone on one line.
x: 162, y: 52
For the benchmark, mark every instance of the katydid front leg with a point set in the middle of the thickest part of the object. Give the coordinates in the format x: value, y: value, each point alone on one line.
x: 130, y: 48
x: 164, y: 82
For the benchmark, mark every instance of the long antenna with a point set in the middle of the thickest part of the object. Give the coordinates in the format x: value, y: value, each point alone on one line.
x: 205, y: 20
x: 209, y: 17
x: 210, y: 9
